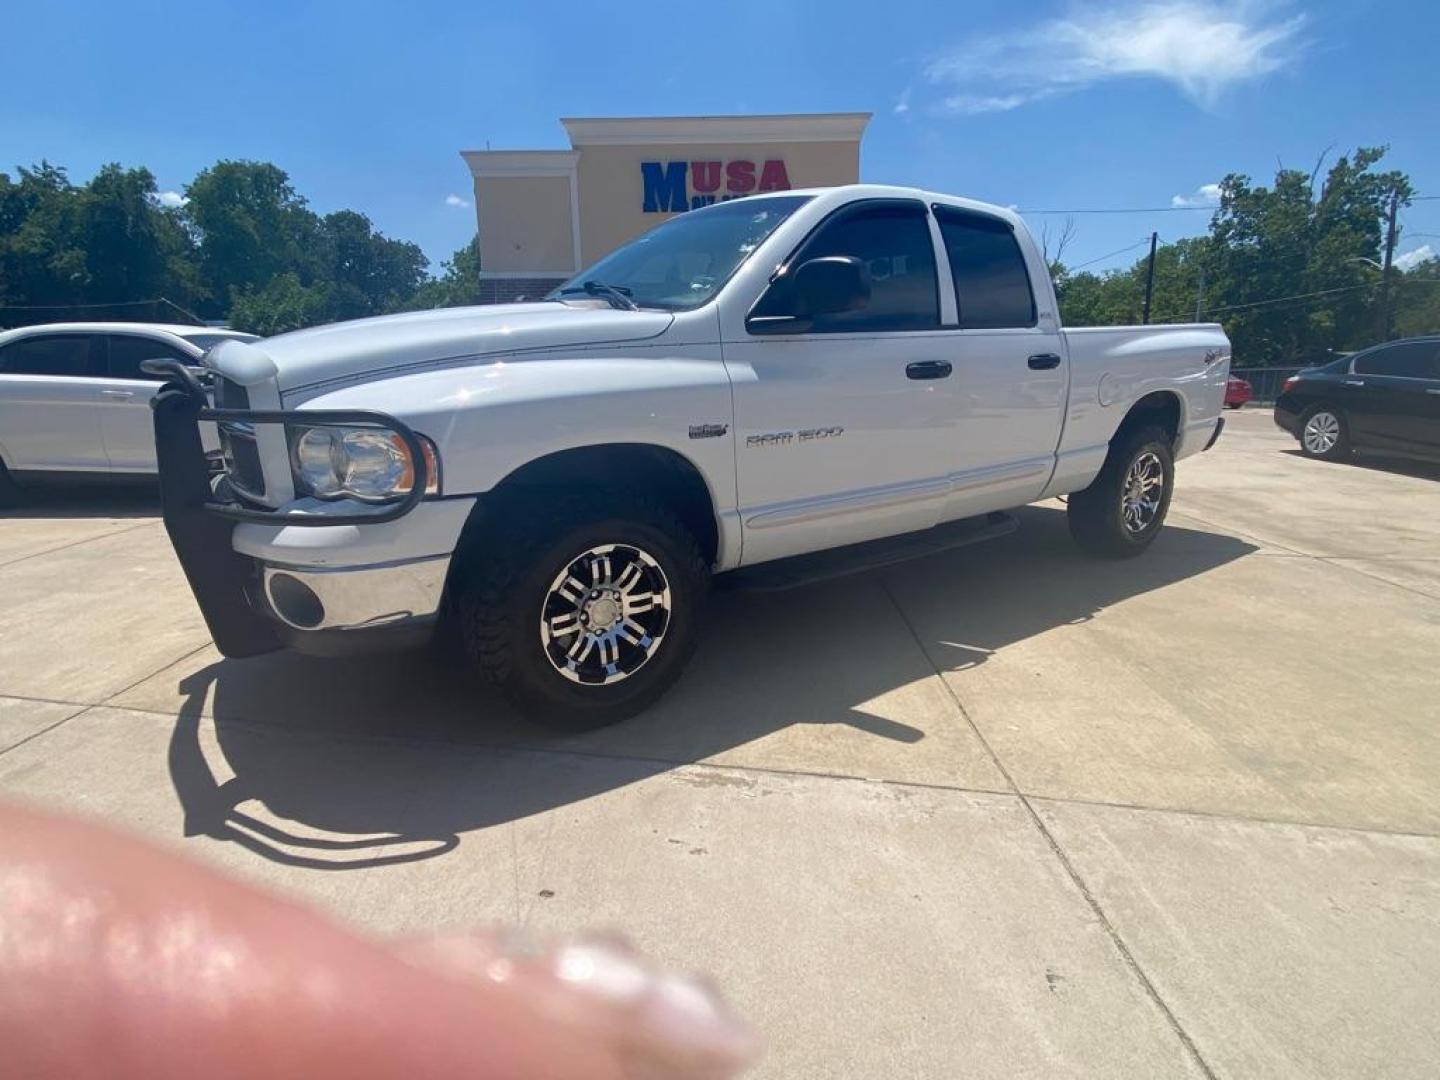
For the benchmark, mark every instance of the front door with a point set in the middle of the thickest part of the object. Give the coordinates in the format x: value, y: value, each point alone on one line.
x: 125, y: 423
x: 843, y: 423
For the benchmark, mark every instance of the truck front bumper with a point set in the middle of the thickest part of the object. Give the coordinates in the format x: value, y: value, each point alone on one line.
x: 254, y: 605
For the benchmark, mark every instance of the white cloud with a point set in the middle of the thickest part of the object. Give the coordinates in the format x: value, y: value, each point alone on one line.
x: 1412, y: 259
x: 903, y: 105
x: 456, y: 200
x: 1203, y: 47
x: 1204, y: 195
x: 171, y: 199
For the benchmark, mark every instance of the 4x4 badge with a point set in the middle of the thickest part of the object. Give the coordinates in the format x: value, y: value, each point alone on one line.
x: 708, y: 431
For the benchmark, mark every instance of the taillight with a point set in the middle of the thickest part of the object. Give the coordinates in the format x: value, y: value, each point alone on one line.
x: 1291, y: 381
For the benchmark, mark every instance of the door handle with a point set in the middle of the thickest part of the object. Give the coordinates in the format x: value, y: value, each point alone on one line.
x: 1354, y: 382
x: 928, y: 369
x: 1044, y: 361
x: 1432, y: 390
x: 122, y: 394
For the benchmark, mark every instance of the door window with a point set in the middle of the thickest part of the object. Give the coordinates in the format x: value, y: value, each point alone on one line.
x: 892, y: 239
x: 992, y: 285
x: 127, y: 350
x: 1406, y: 360
x: 48, y: 354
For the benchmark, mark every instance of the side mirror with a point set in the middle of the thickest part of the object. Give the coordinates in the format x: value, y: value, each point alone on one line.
x: 831, y: 284
x: 824, y: 286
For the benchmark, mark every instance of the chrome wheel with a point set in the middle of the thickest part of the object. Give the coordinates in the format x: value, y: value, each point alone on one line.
x: 605, y: 614
x: 1141, y: 493
x: 1321, y: 433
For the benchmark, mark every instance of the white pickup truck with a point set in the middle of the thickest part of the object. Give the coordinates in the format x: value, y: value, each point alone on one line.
x: 553, y: 484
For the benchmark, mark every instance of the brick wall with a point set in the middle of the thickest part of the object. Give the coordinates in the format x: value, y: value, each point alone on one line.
x: 508, y: 290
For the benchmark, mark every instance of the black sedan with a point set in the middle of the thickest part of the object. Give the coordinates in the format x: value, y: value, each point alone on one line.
x: 1385, y: 399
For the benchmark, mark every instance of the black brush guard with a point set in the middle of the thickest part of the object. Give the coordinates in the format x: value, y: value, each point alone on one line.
x: 200, y: 519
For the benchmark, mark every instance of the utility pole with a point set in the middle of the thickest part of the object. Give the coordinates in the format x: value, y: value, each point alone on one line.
x: 1150, y: 278
x: 1385, y: 331
x: 1200, y: 295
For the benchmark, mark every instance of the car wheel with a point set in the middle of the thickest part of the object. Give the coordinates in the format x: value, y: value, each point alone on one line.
x: 584, y: 608
x: 1324, y: 434
x: 1120, y: 514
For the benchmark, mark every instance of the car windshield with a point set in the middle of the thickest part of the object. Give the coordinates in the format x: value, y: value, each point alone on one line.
x: 684, y: 262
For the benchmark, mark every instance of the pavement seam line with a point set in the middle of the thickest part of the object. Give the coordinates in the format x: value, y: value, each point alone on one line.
x: 46, y: 730
x: 1116, y: 940
x: 75, y: 543
x: 264, y: 728
x: 150, y: 675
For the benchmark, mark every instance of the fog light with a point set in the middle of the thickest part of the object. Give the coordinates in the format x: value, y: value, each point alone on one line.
x: 295, y: 601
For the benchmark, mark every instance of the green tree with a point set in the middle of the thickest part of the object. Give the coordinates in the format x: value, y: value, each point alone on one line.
x: 251, y: 226
x: 457, y: 285
x: 1288, y: 269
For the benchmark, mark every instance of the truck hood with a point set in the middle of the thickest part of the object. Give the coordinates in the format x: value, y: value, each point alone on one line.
x: 350, y: 351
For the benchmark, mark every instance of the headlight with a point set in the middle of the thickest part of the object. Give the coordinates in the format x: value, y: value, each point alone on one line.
x: 361, y: 463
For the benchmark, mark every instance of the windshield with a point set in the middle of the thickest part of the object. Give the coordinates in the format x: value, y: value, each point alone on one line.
x: 684, y: 262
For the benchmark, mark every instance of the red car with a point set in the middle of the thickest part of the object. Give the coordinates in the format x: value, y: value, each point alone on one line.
x: 1237, y: 392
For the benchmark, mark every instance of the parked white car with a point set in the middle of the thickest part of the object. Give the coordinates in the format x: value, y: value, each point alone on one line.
x: 554, y: 483
x: 73, y: 399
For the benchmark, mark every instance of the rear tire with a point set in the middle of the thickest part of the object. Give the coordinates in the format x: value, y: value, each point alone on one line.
x: 581, y: 658
x: 1119, y: 515
x: 1325, y: 434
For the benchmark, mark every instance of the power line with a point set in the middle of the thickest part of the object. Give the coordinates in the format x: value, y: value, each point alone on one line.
x: 1139, y: 243
x: 1125, y: 210
x: 1299, y: 297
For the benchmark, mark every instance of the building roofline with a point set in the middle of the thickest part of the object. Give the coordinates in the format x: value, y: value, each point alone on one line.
x: 700, y: 130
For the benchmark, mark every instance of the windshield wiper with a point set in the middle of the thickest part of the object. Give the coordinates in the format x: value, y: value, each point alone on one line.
x: 618, y: 295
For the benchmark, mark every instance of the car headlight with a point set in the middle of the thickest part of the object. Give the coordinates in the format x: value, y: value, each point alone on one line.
x: 360, y: 463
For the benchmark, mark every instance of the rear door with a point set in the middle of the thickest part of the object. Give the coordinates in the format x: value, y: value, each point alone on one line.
x: 1392, y: 405
x: 50, y: 403
x: 1009, y: 378
x: 125, y: 424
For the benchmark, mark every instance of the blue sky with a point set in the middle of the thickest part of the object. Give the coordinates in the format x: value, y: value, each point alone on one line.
x: 1042, y: 105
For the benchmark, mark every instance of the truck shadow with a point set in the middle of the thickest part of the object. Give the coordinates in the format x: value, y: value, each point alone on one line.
x: 332, y: 764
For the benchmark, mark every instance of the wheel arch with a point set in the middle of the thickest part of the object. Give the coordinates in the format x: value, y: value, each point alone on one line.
x: 658, y: 471
x: 1164, y: 409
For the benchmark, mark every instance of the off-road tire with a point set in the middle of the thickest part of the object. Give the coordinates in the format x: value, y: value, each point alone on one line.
x: 1096, y: 515
x: 507, y: 569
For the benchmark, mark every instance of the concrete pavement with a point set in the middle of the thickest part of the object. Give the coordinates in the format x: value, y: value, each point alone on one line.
x: 1003, y: 812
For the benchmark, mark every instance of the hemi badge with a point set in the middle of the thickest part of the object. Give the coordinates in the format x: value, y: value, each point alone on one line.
x: 708, y: 431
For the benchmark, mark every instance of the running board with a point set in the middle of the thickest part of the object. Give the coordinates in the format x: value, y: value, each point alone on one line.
x: 800, y: 570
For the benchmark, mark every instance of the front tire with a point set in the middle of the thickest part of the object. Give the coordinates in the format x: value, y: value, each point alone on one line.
x: 1324, y: 434
x: 584, y: 608
x: 1120, y: 514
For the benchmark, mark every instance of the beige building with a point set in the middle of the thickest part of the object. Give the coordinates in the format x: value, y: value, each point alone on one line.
x: 544, y: 214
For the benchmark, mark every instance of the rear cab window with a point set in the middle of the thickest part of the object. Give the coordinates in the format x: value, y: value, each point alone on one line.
x: 992, y: 283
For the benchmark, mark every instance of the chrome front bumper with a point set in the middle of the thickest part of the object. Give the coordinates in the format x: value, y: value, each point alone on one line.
x: 355, y: 597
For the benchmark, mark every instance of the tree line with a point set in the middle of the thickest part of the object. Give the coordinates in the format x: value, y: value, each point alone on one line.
x: 241, y: 245
x: 1293, y: 270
